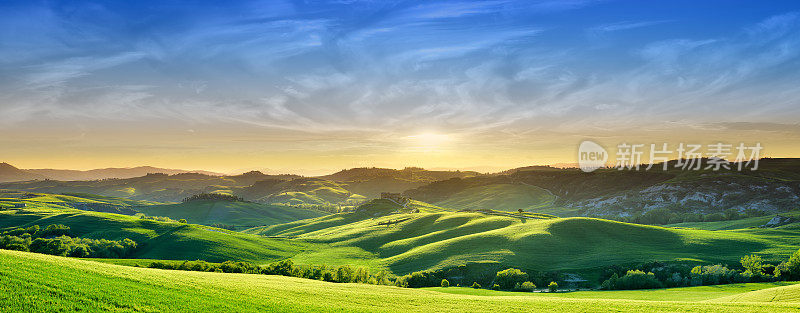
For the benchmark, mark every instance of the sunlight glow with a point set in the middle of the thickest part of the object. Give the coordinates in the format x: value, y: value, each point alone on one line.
x: 430, y: 139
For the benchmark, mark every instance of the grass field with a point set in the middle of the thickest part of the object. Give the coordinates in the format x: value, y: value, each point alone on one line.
x: 699, y: 293
x: 751, y: 222
x: 230, y: 212
x: 504, y: 197
x: 9, y: 197
x: 429, y: 241
x: 158, y: 240
x: 38, y: 283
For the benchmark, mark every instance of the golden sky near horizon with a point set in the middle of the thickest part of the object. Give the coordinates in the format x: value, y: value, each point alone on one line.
x: 241, y: 148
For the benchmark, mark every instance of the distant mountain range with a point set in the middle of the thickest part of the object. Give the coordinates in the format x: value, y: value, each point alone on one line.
x: 9, y: 173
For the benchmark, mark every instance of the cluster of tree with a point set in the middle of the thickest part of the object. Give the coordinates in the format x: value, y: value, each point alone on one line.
x: 657, y: 275
x: 511, y: 279
x: 224, y: 226
x: 341, y: 274
x: 159, y: 218
x: 53, y: 240
x: 348, y: 206
x: 213, y: 196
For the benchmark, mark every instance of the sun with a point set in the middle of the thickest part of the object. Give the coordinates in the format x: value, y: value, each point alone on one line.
x: 429, y: 140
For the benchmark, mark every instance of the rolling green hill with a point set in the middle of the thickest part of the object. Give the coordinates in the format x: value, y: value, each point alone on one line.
x: 717, y: 293
x: 239, y: 213
x: 157, y: 240
x: 38, y: 283
x: 752, y: 222
x: 780, y: 294
x: 504, y: 197
x: 649, y: 197
x: 405, y: 243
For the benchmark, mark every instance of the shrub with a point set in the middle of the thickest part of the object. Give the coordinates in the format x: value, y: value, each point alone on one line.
x: 495, y: 287
x: 552, y: 287
x: 714, y: 275
x: 524, y: 286
x: 445, y: 283
x: 422, y: 279
x: 344, y: 274
x: 633, y: 279
x: 509, y: 278
x: 361, y: 276
x: 753, y: 264
x: 476, y: 285
x: 54, y: 230
x: 283, y: 268
x: 330, y: 276
x: 789, y: 270
x: 183, y: 220
x: 382, y: 278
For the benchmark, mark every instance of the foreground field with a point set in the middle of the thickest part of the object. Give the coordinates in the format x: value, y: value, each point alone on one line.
x: 699, y: 293
x: 38, y: 283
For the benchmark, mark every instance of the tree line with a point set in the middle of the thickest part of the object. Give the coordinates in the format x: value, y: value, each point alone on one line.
x: 55, y: 240
x: 658, y: 275
x: 213, y: 196
x: 509, y: 279
x: 340, y: 274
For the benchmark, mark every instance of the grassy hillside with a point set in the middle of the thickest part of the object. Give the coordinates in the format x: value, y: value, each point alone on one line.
x: 157, y: 240
x: 152, y: 187
x: 37, y: 283
x: 9, y: 173
x: 410, y: 242
x: 780, y: 294
x: 718, y: 293
x: 505, y: 197
x: 751, y: 222
x: 237, y: 213
x: 676, y: 195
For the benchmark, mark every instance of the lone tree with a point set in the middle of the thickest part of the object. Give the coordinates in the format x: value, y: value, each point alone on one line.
x: 753, y: 264
x: 520, y: 211
x: 552, y: 287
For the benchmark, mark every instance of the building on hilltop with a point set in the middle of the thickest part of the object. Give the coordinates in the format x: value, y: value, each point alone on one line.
x: 394, y: 196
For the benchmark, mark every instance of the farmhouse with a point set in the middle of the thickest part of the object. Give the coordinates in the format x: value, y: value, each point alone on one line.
x: 394, y: 196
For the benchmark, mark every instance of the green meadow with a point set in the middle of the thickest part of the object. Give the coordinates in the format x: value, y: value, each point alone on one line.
x: 38, y: 283
x: 156, y: 239
x: 405, y: 243
x: 237, y: 213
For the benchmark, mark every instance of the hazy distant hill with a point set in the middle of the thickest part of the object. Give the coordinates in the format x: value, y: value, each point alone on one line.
x: 408, y: 173
x: 651, y: 197
x: 104, y: 173
x: 9, y: 173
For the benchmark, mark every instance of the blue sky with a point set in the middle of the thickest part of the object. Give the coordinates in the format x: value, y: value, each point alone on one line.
x: 353, y: 80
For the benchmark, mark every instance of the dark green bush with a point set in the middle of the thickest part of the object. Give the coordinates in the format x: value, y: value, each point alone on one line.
x: 524, y: 286
x: 507, y: 279
x: 552, y: 287
x: 633, y: 279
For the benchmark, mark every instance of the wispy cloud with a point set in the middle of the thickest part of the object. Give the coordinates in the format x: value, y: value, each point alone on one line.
x: 619, y: 26
x: 384, y: 69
